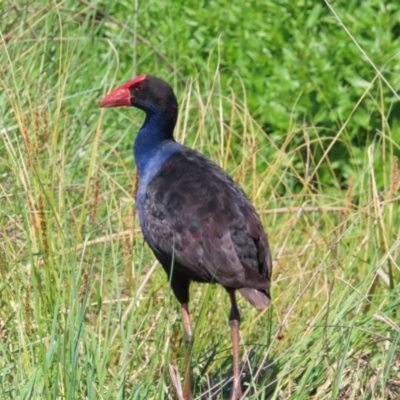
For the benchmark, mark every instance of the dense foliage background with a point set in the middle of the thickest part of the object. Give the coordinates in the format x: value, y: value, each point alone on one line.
x: 297, y: 100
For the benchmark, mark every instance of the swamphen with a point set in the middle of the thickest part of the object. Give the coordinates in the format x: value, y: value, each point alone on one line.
x: 198, y: 222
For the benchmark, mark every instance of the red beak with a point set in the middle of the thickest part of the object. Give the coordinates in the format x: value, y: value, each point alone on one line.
x: 120, y: 96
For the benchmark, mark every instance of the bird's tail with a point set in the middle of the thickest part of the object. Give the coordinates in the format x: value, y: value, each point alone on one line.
x: 258, y: 298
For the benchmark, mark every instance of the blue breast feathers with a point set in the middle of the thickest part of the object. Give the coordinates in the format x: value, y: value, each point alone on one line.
x: 150, y: 157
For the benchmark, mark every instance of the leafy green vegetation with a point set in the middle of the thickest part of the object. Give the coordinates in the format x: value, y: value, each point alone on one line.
x: 282, y: 97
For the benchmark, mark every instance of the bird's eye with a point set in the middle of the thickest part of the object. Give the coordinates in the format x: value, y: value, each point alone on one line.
x: 138, y: 87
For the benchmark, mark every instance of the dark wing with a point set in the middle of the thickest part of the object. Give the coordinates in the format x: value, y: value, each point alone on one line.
x: 195, y: 214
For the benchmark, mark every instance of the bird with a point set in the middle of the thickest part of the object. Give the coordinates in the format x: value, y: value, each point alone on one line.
x: 196, y: 219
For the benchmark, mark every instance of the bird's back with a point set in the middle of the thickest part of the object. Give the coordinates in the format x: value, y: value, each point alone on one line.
x: 198, y: 219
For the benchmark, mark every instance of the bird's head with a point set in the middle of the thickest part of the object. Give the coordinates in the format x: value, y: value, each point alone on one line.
x: 150, y: 94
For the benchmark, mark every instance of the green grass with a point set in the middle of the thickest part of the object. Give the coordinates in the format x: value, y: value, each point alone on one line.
x: 85, y: 312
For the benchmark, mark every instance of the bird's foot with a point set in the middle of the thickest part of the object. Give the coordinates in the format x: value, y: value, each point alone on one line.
x: 237, y: 392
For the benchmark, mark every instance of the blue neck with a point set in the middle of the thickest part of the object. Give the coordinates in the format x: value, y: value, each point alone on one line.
x: 154, y: 144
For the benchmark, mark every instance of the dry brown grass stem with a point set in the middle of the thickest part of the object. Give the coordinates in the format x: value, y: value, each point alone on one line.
x: 349, y: 196
x: 32, y: 210
x: 27, y: 309
x: 36, y: 128
x: 84, y: 286
x: 43, y: 224
x: 125, y: 250
x: 105, y: 239
x: 96, y: 193
x: 102, y: 239
x: 127, y: 254
x: 26, y: 138
x: 176, y: 380
x: 2, y: 265
x: 293, y: 210
x: 395, y: 178
x: 249, y: 165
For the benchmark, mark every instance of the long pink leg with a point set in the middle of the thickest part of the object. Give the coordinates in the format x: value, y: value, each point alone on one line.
x: 187, y: 391
x: 234, y: 323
